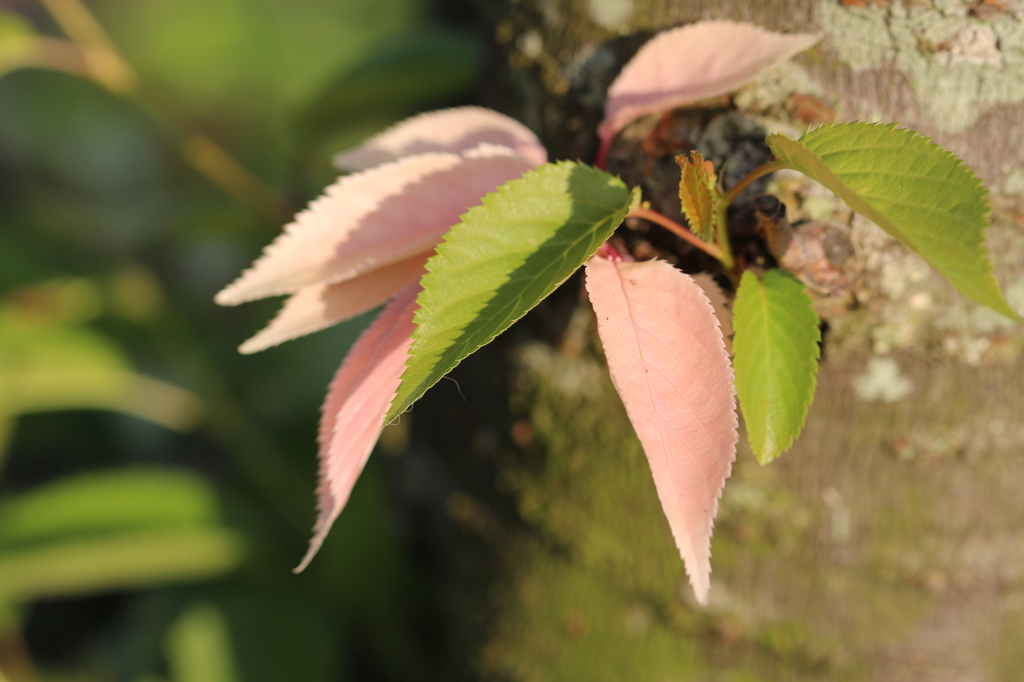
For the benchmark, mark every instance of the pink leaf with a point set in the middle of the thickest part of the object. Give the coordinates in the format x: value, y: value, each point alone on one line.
x: 691, y: 63
x: 357, y: 401
x: 668, y: 363
x: 449, y: 130
x: 323, y: 305
x: 723, y: 311
x: 372, y: 219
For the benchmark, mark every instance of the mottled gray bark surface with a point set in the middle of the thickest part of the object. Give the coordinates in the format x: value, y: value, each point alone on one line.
x: 887, y: 544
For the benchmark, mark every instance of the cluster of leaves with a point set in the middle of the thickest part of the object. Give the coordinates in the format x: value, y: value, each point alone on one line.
x: 518, y: 231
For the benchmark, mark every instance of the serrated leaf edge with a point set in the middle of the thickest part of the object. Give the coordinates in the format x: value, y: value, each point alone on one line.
x: 635, y: 199
x: 812, y: 387
x: 974, y: 181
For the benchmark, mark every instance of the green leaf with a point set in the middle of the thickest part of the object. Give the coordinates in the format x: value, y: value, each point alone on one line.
x: 199, y: 646
x: 504, y: 258
x: 915, y: 190
x: 17, y: 42
x: 47, y: 367
x: 111, y: 531
x: 125, y: 560
x: 105, y: 503
x: 776, y: 359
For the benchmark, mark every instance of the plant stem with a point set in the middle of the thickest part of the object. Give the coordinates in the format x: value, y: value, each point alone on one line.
x: 602, y: 152
x: 753, y: 175
x: 722, y: 236
x: 681, y: 232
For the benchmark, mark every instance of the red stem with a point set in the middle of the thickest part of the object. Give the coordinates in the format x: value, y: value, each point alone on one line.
x: 676, y: 229
x: 753, y: 175
x: 602, y: 152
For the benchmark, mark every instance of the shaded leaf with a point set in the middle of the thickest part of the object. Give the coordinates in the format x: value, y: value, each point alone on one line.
x: 915, y: 190
x: 353, y: 413
x: 776, y: 359
x: 322, y: 305
x: 381, y: 216
x: 698, y: 195
x: 668, y: 363
x: 449, y: 130
x: 503, y: 259
x: 691, y: 63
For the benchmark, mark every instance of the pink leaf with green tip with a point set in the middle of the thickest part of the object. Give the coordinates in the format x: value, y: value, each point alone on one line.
x: 357, y: 400
x: 449, y: 130
x: 323, y: 305
x: 669, y: 365
x: 376, y: 218
x: 691, y: 63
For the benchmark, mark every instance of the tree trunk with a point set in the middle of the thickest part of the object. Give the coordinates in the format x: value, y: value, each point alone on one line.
x: 887, y: 544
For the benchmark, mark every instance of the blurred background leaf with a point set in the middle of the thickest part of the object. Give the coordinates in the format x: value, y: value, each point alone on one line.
x: 45, y: 367
x: 156, y: 487
x: 17, y: 41
x: 199, y: 648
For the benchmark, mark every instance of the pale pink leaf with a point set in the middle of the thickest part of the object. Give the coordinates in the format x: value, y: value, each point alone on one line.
x: 449, y: 130
x: 376, y: 218
x: 668, y: 363
x: 723, y: 310
x: 691, y: 63
x: 353, y: 413
x: 321, y: 306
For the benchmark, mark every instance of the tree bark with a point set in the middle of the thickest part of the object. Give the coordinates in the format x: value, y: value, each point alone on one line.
x: 887, y: 544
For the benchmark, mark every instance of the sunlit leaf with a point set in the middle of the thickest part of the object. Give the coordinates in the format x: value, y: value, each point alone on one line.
x: 449, y: 130
x: 503, y: 259
x: 776, y: 359
x: 915, y: 190
x: 320, y: 306
x: 353, y: 413
x: 668, y: 362
x: 382, y: 216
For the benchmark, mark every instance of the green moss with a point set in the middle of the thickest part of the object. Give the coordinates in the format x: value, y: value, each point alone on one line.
x: 824, y: 563
x: 1009, y: 655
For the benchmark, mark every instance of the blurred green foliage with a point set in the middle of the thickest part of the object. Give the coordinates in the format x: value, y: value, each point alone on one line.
x: 156, y: 487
